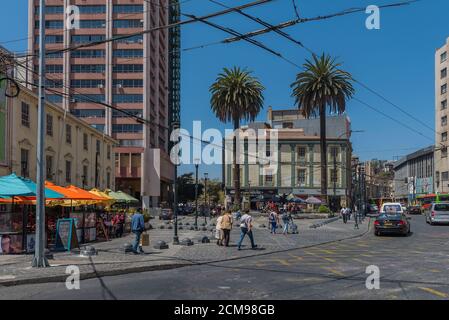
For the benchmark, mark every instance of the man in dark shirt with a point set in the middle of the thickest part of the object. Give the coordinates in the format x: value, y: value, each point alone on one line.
x: 138, y: 227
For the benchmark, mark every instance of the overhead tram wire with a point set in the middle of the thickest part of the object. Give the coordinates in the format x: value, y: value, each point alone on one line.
x: 144, y: 121
x: 291, y: 23
x: 311, y: 51
x: 158, y: 28
x: 107, y: 20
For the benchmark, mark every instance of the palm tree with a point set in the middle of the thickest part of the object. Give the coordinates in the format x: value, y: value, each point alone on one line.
x: 322, y: 85
x: 236, y: 96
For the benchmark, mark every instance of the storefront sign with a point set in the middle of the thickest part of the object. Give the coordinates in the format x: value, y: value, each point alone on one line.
x: 66, y: 238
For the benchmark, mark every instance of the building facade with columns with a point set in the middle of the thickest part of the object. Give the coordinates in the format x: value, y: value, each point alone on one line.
x: 296, y: 160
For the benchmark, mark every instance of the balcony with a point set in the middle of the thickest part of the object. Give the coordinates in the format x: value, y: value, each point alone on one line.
x: 126, y: 172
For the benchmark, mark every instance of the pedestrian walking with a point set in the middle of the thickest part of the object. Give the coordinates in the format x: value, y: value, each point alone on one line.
x: 344, y: 214
x: 246, y: 228
x: 138, y: 227
x: 218, y: 231
x: 286, y: 220
x: 273, y: 220
x: 226, y: 227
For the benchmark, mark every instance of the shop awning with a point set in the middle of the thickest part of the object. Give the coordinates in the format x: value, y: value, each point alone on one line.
x: 313, y: 200
x: 14, y: 186
x: 121, y: 197
x: 107, y: 200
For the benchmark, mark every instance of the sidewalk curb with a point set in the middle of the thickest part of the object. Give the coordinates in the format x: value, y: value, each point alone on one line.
x: 323, y: 223
x: 93, y: 274
x: 140, y: 269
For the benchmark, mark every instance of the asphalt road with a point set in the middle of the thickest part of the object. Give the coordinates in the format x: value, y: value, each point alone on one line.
x: 413, y: 267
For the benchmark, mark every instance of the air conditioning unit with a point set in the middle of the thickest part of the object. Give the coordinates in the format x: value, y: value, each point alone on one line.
x: 140, y: 41
x: 119, y: 86
x: 73, y: 100
x: 100, y: 86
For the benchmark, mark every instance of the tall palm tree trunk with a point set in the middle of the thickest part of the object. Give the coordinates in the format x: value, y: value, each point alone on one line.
x: 236, y: 171
x: 323, y: 150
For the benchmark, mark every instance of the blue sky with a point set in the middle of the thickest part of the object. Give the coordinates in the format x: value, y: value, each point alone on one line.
x: 396, y: 61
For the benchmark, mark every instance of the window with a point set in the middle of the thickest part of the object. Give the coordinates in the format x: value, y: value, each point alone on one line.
x: 131, y: 143
x: 98, y: 146
x: 88, y: 54
x: 54, y: 68
x: 108, y: 180
x: 128, y: 68
x: 25, y: 115
x: 88, y: 113
x: 99, y: 127
x: 443, y: 152
x: 51, y: 39
x: 85, y: 176
x: 50, y: 9
x: 127, y: 98
x: 88, y: 68
x: 85, y: 142
x: 24, y: 163
x: 334, y: 175
x: 68, y: 134
x: 443, y: 56
x: 126, y: 8
x: 134, y: 112
x: 128, y: 83
x: 334, y: 151
x: 287, y: 125
x: 49, y: 125
x: 443, y: 104
x: 54, y: 98
x: 94, y: 9
x: 444, y: 121
x: 68, y: 171
x: 301, y: 177
x: 109, y: 152
x: 269, y: 178
x: 444, y: 136
x: 130, y: 39
x: 443, y: 88
x: 128, y: 23
x: 88, y: 98
x: 302, y: 153
x: 444, y: 73
x: 128, y: 53
x: 49, y: 166
x: 88, y: 83
x: 86, y: 38
x: 127, y: 128
x: 50, y: 24
x: 92, y: 24
x: 445, y: 176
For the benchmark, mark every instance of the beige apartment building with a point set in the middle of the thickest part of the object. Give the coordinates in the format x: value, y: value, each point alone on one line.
x: 441, y: 120
x: 75, y: 153
x: 131, y: 74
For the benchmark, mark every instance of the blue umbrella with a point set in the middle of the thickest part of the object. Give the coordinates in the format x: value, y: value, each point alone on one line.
x: 14, y: 186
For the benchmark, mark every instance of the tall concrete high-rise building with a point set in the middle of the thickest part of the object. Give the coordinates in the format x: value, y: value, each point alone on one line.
x: 138, y: 74
x: 441, y: 116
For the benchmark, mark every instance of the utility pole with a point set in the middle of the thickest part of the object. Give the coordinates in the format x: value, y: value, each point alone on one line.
x: 40, y: 261
x: 206, y: 175
x: 197, y: 164
x: 334, y: 176
x: 175, y: 126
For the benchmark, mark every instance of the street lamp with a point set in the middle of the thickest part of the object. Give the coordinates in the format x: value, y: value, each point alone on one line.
x: 197, y: 164
x: 206, y: 175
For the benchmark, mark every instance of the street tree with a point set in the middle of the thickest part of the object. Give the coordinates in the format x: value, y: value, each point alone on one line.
x: 321, y: 86
x: 236, y: 96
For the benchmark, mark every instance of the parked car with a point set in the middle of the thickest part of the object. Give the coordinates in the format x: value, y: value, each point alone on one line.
x: 392, y: 220
x: 414, y: 210
x: 438, y: 213
x: 166, y: 214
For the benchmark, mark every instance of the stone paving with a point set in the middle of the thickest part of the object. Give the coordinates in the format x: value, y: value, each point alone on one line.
x: 112, y: 260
